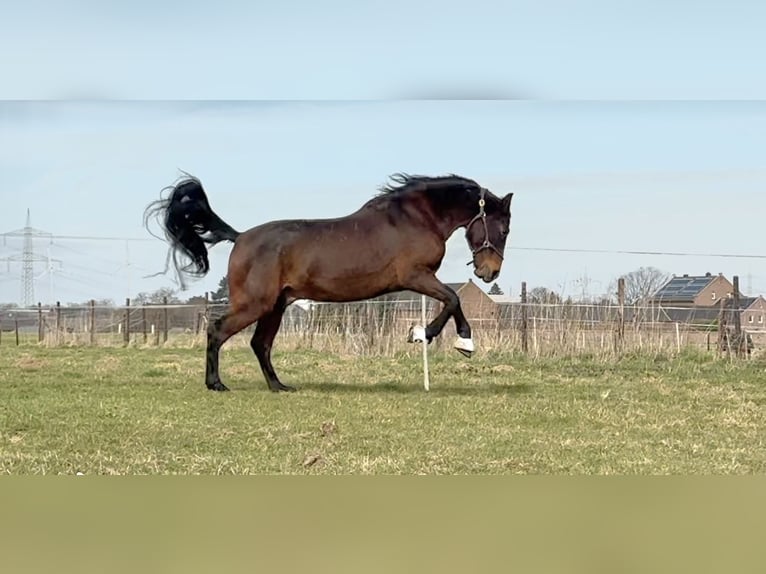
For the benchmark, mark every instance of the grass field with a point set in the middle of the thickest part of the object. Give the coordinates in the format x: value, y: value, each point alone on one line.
x: 146, y: 411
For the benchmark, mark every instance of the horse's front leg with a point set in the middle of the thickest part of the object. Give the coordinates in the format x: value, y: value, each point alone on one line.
x: 430, y: 286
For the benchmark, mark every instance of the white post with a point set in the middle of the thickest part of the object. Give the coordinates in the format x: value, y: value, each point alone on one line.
x: 426, y: 382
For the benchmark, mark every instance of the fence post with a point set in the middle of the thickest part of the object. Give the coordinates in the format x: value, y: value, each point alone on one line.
x: 16, y: 328
x: 206, y: 322
x: 737, y: 323
x: 524, y: 316
x: 143, y: 321
x: 39, y: 322
x: 58, y: 322
x: 619, y: 340
x: 92, y: 321
x: 126, y: 330
x: 722, y: 325
x: 165, y: 320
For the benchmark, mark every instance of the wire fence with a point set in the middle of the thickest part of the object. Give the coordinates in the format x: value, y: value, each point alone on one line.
x: 381, y: 327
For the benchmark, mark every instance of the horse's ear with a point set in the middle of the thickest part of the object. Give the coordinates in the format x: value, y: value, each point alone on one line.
x: 507, y: 202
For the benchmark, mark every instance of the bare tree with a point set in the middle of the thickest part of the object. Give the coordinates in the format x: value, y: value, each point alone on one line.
x: 642, y: 283
x: 156, y: 297
x: 544, y: 296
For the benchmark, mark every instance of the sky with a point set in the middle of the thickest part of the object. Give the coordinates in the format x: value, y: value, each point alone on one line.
x: 651, y: 176
x: 339, y: 49
x: 634, y: 127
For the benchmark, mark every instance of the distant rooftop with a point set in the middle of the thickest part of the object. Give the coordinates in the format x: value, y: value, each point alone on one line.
x: 504, y: 299
x: 684, y: 288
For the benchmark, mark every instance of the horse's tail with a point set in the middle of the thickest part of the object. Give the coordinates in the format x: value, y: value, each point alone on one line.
x: 190, y: 225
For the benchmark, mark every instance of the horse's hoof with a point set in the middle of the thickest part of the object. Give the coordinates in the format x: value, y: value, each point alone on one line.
x: 417, y: 334
x: 217, y: 386
x: 465, y: 346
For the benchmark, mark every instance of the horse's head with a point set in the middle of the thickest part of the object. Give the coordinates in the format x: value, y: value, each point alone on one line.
x: 487, y: 233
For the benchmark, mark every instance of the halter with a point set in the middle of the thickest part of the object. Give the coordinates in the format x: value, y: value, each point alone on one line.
x: 482, y: 215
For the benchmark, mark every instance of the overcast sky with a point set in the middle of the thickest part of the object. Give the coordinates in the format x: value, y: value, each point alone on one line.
x: 638, y: 127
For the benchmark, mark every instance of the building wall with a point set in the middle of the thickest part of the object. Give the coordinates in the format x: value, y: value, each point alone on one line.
x: 711, y: 295
x: 754, y: 317
x: 476, y: 304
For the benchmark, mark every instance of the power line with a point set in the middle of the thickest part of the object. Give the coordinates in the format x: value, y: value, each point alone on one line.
x: 628, y: 252
x: 82, y: 237
x: 512, y: 247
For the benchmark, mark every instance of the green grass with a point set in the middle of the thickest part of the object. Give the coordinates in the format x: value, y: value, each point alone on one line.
x: 146, y: 411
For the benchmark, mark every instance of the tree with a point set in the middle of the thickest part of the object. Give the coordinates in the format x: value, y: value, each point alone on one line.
x: 544, y: 296
x: 642, y: 283
x: 495, y: 290
x: 196, y: 300
x: 222, y: 293
x: 156, y: 297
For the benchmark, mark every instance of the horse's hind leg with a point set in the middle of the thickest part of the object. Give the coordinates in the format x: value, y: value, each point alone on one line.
x: 218, y: 332
x: 261, y: 343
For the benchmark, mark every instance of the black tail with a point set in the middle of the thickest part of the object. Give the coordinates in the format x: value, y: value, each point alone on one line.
x: 190, y: 225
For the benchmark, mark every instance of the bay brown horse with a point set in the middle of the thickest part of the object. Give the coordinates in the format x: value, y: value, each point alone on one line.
x: 394, y: 242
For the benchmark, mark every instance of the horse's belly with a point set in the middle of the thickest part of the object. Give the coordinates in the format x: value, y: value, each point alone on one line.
x: 347, y: 285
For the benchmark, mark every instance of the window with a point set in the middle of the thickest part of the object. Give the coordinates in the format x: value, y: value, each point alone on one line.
x: 760, y: 319
x: 750, y: 318
x: 713, y: 295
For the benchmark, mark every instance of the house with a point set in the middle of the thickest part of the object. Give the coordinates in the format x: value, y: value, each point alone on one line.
x: 476, y: 304
x: 753, y: 312
x: 697, y: 299
x: 693, y: 291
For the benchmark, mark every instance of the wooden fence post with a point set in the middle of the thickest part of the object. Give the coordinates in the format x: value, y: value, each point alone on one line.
x: 92, y: 321
x: 524, y: 318
x: 143, y: 321
x: 206, y: 322
x: 126, y: 330
x: 165, y: 320
x: 39, y: 322
x: 737, y: 323
x: 16, y: 328
x: 619, y: 339
x: 722, y: 326
x: 58, y: 322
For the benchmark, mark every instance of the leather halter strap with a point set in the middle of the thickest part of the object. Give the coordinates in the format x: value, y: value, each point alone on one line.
x: 481, y: 216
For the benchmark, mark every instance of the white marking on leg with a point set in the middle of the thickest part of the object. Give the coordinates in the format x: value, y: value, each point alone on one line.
x: 417, y: 334
x: 464, y: 345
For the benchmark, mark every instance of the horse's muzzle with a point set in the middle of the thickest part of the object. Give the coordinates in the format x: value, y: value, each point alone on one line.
x: 486, y: 275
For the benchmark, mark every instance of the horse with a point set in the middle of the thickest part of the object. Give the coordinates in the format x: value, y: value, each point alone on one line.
x: 395, y: 241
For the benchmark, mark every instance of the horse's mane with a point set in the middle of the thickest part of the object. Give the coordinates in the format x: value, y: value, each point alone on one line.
x: 403, y: 182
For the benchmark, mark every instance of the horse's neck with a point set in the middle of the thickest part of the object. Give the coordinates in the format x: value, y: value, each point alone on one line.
x: 450, y: 214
